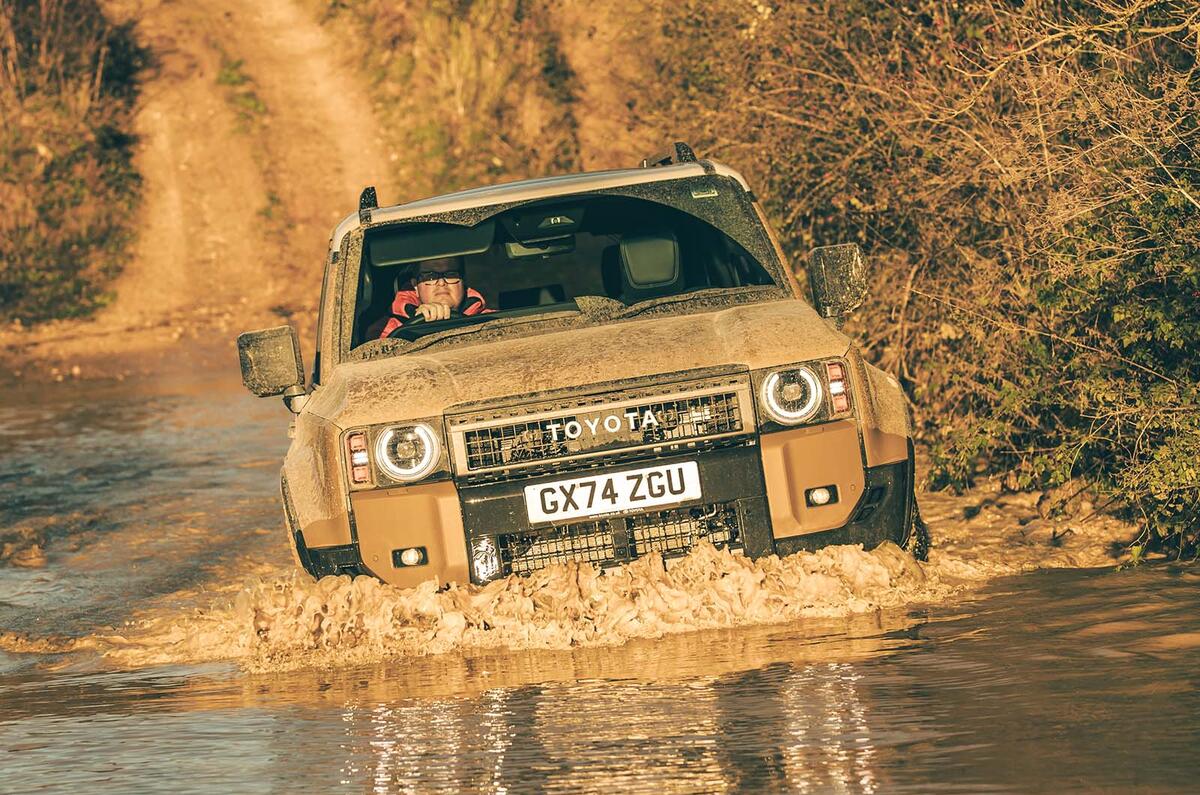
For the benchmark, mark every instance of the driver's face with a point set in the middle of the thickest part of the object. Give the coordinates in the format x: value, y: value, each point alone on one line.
x: 441, y: 292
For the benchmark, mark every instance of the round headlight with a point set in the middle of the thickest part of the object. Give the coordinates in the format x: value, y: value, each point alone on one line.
x: 407, y: 452
x: 791, y: 396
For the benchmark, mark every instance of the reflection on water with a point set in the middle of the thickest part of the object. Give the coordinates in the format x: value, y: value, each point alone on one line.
x: 1001, y: 695
x: 111, y: 494
x: 838, y: 733
x: 784, y: 728
x: 137, y: 495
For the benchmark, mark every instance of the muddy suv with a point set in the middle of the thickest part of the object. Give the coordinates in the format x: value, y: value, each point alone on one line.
x: 648, y: 376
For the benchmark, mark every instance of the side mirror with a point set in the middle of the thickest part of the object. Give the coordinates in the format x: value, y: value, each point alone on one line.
x: 271, y: 364
x: 838, y: 277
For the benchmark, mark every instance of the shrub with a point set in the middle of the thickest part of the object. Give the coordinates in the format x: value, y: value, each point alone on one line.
x: 1026, y: 178
x: 472, y: 90
x: 67, y: 184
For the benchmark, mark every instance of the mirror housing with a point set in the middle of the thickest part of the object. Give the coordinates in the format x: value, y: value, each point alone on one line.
x: 271, y: 363
x: 838, y: 278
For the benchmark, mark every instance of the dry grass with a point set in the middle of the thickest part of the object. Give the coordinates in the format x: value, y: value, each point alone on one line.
x: 471, y: 92
x: 67, y: 83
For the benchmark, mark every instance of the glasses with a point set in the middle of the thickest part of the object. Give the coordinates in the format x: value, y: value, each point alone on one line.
x: 448, y: 277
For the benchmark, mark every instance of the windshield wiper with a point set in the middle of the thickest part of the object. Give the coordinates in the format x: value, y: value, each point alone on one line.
x: 681, y: 298
x: 503, y: 322
x: 430, y: 339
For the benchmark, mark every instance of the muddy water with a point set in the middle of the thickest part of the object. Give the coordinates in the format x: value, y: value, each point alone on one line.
x: 152, y: 502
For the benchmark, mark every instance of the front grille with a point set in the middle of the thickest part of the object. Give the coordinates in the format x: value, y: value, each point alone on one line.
x: 715, y: 409
x: 676, y: 531
x: 538, y: 440
x: 616, y: 540
x: 586, y: 542
x: 508, y: 444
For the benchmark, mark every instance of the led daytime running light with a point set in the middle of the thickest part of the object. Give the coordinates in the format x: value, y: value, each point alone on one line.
x: 423, y: 466
x: 787, y: 416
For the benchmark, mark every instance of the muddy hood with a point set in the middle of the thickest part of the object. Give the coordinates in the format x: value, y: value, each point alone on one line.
x: 428, y: 383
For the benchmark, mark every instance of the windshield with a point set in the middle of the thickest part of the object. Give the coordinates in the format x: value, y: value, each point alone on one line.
x: 566, y: 255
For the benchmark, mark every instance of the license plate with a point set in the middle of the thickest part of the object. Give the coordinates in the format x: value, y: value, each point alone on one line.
x: 613, y: 492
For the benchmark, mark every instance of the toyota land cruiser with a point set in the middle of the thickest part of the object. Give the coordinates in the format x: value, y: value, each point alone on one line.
x: 651, y: 376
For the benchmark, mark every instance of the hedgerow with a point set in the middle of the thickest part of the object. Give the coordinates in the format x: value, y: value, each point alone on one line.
x: 1026, y: 179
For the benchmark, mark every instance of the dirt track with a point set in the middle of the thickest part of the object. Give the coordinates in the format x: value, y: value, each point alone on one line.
x: 237, y: 203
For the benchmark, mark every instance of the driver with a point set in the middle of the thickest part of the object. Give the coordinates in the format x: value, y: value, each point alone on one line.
x: 435, y: 289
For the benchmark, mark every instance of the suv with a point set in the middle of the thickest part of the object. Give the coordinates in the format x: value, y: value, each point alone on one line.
x: 650, y: 376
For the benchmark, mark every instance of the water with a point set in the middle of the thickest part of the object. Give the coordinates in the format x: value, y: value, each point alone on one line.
x: 123, y: 501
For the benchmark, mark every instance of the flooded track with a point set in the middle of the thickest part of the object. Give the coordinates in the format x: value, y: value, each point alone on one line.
x: 130, y: 505
x: 115, y: 494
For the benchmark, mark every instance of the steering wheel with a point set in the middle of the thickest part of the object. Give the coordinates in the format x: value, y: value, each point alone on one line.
x: 417, y: 320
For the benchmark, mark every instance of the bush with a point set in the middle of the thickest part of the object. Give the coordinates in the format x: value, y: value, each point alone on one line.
x: 1026, y: 178
x: 473, y: 90
x: 67, y: 184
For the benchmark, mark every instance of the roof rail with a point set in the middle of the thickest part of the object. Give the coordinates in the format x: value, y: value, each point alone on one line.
x: 678, y: 153
x: 367, y: 201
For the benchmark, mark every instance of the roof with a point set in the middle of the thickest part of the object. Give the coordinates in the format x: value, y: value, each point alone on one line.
x: 538, y: 188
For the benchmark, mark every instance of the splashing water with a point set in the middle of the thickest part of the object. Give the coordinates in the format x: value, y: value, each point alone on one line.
x: 287, y: 622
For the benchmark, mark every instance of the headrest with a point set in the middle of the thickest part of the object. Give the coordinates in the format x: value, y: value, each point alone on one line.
x: 367, y: 293
x: 650, y: 260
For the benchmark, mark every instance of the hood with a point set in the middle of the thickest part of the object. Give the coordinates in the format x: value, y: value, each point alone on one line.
x: 427, y: 383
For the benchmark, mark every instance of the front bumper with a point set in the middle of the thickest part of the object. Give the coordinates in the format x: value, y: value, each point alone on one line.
x: 754, y: 500
x: 732, y: 511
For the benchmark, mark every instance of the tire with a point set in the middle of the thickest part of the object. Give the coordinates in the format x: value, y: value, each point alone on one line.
x: 918, y: 540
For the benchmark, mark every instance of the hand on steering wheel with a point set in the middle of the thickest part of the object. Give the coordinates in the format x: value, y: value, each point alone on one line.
x: 422, y: 317
x: 433, y: 312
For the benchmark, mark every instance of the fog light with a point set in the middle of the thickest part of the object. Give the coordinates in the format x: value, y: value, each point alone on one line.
x: 413, y: 556
x: 822, y: 495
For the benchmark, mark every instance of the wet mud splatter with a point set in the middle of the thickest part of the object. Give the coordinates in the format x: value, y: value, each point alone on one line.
x: 289, y: 621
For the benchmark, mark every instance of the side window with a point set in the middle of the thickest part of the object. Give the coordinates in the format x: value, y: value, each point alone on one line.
x: 316, y: 366
x: 325, y: 315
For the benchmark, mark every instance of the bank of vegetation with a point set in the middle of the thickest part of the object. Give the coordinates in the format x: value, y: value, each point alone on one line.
x: 471, y: 92
x: 67, y: 183
x: 1024, y: 177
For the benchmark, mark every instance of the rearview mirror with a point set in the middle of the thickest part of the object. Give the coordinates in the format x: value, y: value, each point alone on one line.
x: 271, y: 363
x: 838, y: 277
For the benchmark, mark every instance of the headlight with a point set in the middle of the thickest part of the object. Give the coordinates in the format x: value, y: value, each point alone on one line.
x: 791, y: 396
x: 407, y: 452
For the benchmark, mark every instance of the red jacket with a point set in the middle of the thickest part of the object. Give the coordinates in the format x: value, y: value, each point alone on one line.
x: 407, y: 301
